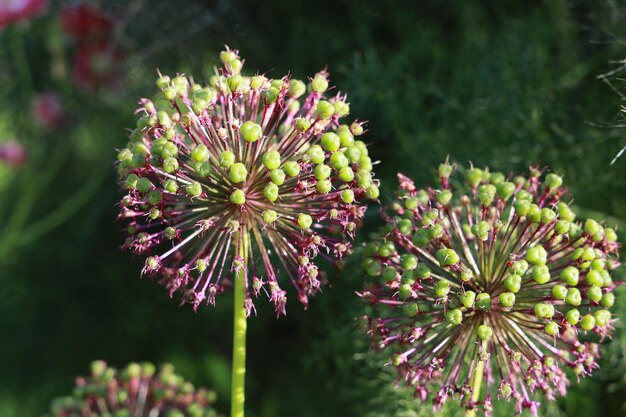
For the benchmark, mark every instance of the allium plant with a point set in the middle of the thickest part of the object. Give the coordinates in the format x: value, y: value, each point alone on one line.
x: 489, y: 288
x: 244, y: 182
x: 139, y: 390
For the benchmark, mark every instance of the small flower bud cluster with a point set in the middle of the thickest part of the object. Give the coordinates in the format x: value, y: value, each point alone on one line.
x: 243, y: 162
x: 490, y: 274
x: 140, y: 390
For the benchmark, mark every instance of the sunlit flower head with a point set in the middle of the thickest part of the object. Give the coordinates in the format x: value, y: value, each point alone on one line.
x: 265, y: 165
x: 137, y: 390
x: 490, y: 280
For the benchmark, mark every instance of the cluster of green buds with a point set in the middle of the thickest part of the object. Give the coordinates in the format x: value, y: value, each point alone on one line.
x: 243, y: 173
x: 490, y: 277
x: 139, y: 390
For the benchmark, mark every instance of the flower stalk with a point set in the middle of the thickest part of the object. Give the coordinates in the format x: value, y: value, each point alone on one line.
x: 239, y: 331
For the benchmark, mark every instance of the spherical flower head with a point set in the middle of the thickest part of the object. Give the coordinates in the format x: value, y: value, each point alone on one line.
x: 244, y: 174
x: 137, y: 390
x: 490, y: 278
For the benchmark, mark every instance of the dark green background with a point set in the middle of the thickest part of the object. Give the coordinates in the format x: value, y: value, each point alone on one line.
x: 501, y: 83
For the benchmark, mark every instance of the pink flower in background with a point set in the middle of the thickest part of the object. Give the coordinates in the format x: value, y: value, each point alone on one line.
x: 12, y: 11
x: 97, y: 55
x: 13, y: 153
x: 47, y: 110
x: 86, y: 23
x: 95, y: 65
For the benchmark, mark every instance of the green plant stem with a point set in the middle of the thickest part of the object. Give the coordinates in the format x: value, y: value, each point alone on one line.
x: 239, y: 333
x: 475, y: 386
x: 20, y: 60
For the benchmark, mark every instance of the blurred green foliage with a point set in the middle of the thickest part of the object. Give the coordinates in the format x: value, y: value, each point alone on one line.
x: 504, y: 84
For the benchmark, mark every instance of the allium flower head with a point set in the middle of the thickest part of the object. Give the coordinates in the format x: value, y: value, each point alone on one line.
x: 264, y: 165
x: 140, y: 390
x: 490, y: 278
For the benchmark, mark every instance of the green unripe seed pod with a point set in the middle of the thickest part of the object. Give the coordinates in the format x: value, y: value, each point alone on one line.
x: 573, y: 297
x: 467, y: 299
x: 238, y: 197
x: 570, y: 275
x: 588, y: 322
x: 442, y: 288
x: 296, y: 88
x: 559, y: 292
x: 572, y: 316
x: 551, y: 328
x: 250, y: 131
x: 227, y: 158
x: 144, y: 185
x: 594, y: 293
x: 271, y: 159
x: 444, y: 197
x: 537, y: 255
x: 277, y: 176
x: 346, y: 174
x: 507, y: 299
x: 316, y: 154
x: 486, y: 194
x: 474, y: 176
x: 483, y: 301
x: 594, y: 277
x: 372, y: 192
x: 454, y: 316
x: 200, y: 153
x: 291, y: 168
x: 271, y: 192
x: 194, y: 189
x: 544, y: 310
x: 269, y: 216
x: 447, y: 257
x: 422, y: 271
x: 304, y: 221
x: 513, y: 283
x: 608, y: 300
x: 553, y: 181
x: 324, y: 186
x: 541, y: 274
x: 324, y: 109
x: 319, y: 83
x: 330, y: 142
x: 505, y: 190
x: 238, y: 172
x: 389, y: 273
x: 338, y: 160
x: 602, y: 317
x: 408, y: 261
x: 347, y: 196
x: 322, y: 172
x: 484, y: 332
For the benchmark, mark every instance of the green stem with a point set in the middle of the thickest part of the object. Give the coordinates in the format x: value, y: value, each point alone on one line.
x: 475, y: 386
x: 21, y: 61
x: 239, y: 333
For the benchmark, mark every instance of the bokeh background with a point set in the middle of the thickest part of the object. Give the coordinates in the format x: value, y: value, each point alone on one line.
x: 499, y: 83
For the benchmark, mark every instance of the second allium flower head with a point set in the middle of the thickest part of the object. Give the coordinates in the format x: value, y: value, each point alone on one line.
x: 244, y: 173
x: 490, y: 278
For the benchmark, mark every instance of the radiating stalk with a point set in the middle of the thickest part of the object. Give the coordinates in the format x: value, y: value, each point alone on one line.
x: 475, y: 385
x: 239, y: 332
